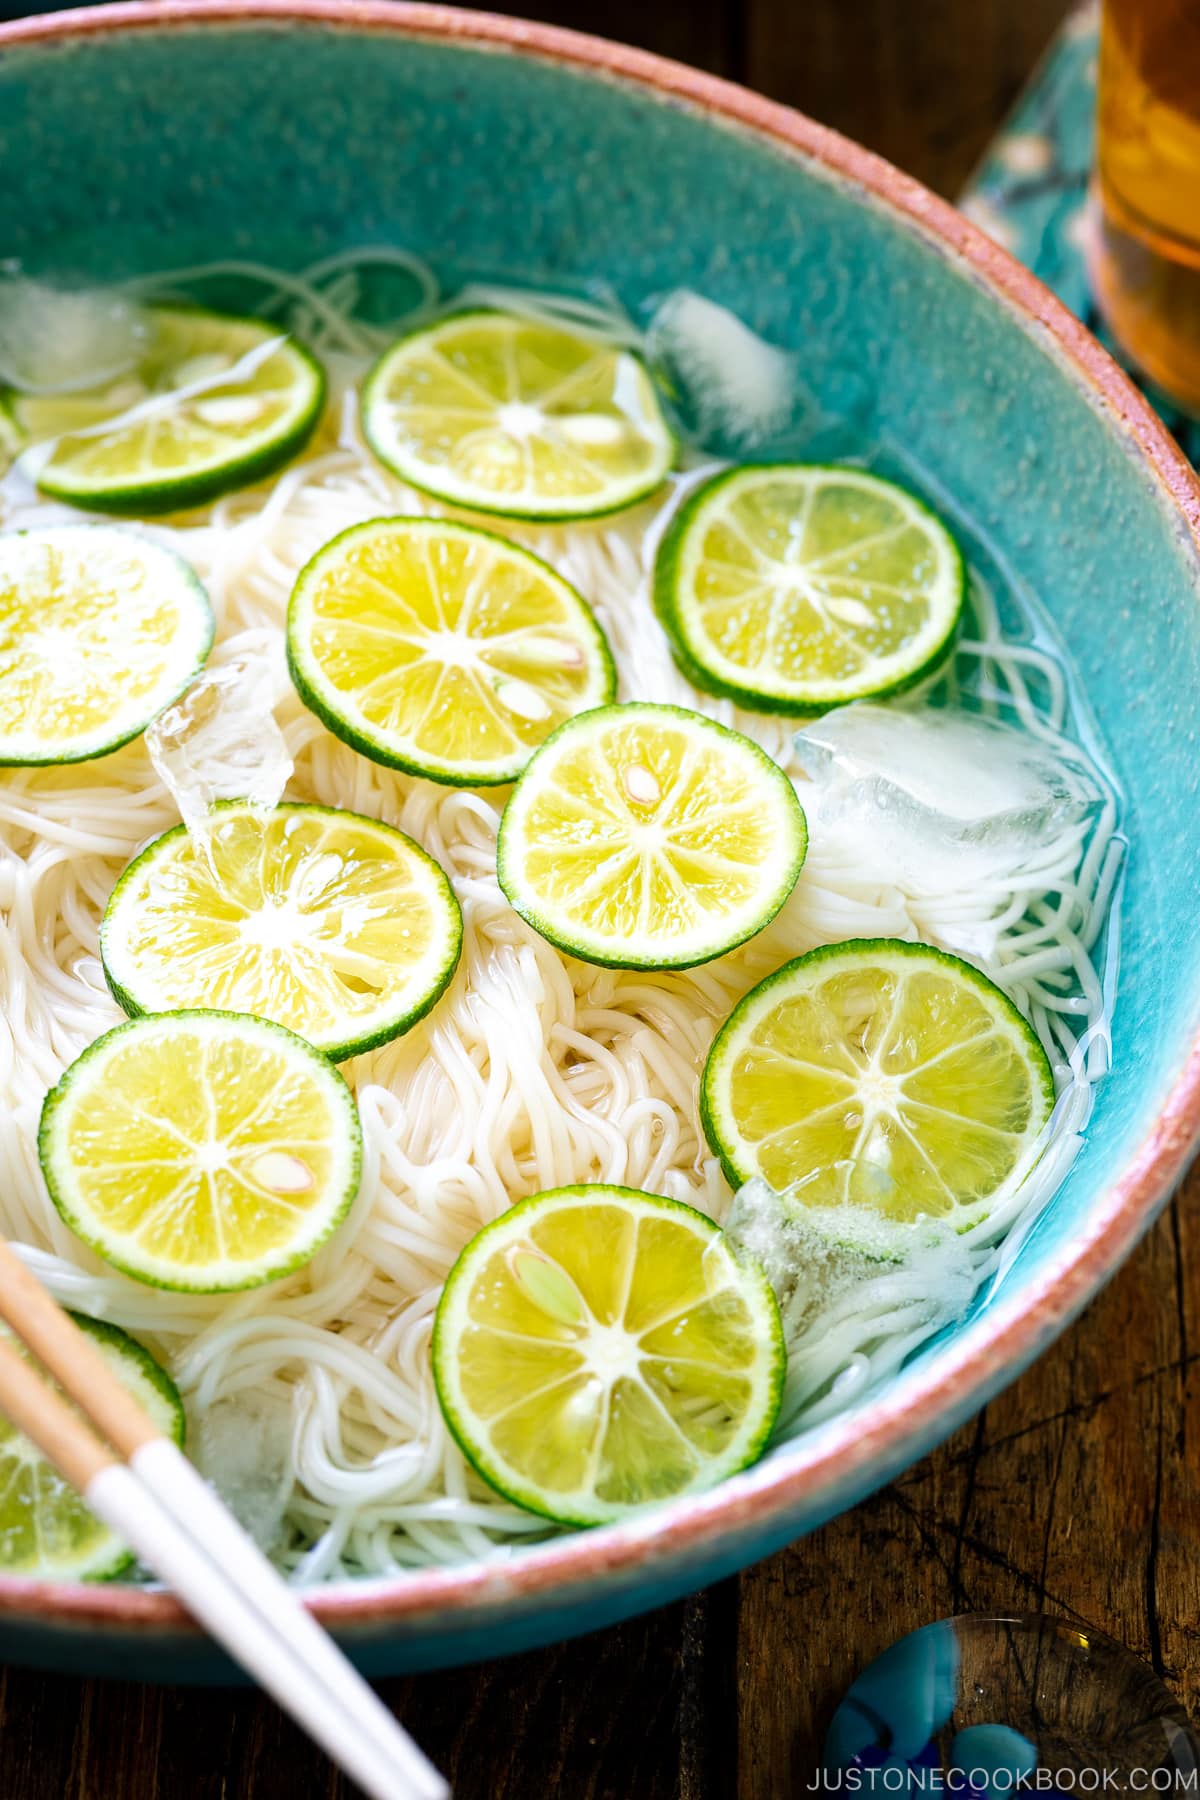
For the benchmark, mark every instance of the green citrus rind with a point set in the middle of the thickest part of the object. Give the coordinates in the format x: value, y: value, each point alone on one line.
x: 321, y: 698
x: 53, y: 1150
x: 417, y: 474
x: 753, y: 1286
x: 218, y: 475
x: 720, y: 1128
x: 695, y: 659
x: 789, y: 813
x: 150, y: 1384
x: 190, y: 586
x: 136, y: 1000
x: 151, y: 1373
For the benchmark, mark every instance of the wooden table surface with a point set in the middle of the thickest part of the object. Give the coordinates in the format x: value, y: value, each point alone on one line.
x: 1076, y: 1492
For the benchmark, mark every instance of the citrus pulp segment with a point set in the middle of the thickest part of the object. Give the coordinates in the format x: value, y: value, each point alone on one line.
x: 597, y: 1348
x: 794, y: 587
x: 512, y: 415
x: 881, y: 1074
x: 214, y: 403
x: 648, y: 836
x: 46, y: 1530
x: 337, y: 926
x: 99, y: 630
x: 205, y: 1151
x: 442, y: 649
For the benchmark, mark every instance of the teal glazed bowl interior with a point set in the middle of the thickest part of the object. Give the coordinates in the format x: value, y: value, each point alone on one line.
x: 138, y: 137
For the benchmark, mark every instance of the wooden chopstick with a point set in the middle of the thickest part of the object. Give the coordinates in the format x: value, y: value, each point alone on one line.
x: 71, y: 1357
x: 147, y: 1491
x: 60, y: 1434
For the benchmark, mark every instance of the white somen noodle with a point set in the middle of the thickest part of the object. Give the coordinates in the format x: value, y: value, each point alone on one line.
x: 534, y: 1070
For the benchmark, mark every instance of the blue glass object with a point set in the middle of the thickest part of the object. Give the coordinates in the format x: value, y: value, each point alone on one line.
x: 898, y: 1704
x: 988, y: 1707
x: 991, y: 1760
x: 176, y: 142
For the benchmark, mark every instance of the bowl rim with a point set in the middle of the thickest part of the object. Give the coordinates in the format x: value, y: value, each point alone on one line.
x: 841, y: 1459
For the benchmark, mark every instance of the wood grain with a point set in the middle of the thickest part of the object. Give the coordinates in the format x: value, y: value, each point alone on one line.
x: 1071, y: 1493
x: 706, y: 33
x: 924, y: 82
x: 1075, y: 1492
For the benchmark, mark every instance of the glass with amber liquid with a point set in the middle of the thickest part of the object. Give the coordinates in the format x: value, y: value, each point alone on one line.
x: 1145, y: 253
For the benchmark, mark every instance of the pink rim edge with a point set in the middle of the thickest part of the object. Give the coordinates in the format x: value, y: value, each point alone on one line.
x: 840, y: 1454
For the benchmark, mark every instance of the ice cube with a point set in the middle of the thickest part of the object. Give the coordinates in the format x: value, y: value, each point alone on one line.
x: 243, y: 1446
x: 732, y: 383
x: 53, y: 340
x: 857, y: 1292
x: 220, y: 741
x: 922, y: 785
x: 813, y: 1254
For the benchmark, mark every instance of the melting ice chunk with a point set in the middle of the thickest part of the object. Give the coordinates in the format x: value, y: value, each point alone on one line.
x: 54, y: 341
x: 221, y: 742
x: 813, y: 1254
x: 732, y: 382
x: 243, y: 1446
x: 858, y: 1293
x: 924, y: 784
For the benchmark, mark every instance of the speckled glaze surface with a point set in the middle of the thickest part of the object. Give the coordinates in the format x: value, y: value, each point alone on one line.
x: 137, y: 136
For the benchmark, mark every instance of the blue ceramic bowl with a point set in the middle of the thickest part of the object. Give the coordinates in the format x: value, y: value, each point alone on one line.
x: 135, y: 137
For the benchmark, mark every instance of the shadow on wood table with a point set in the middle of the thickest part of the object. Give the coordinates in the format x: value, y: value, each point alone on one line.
x: 1075, y: 1492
